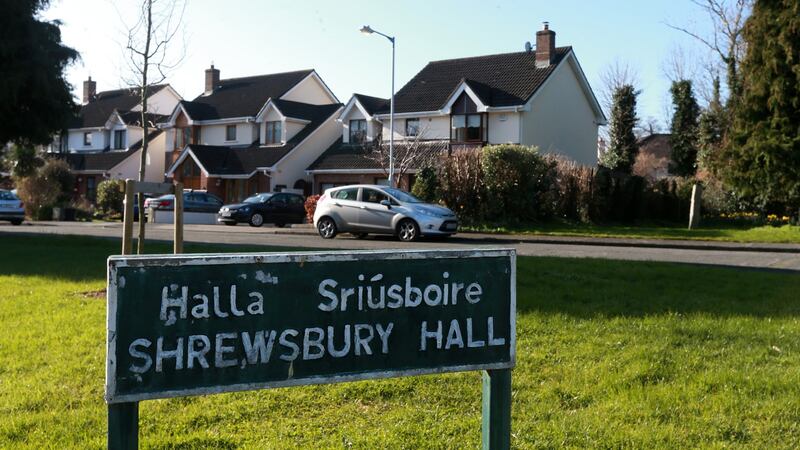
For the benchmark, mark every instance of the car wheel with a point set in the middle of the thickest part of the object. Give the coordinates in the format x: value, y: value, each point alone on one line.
x: 16, y: 222
x: 408, y: 230
x: 326, y: 228
x: 256, y: 220
x: 359, y: 235
x: 230, y: 224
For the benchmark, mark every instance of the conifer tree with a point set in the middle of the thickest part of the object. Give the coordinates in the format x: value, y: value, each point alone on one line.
x: 683, y: 137
x: 764, y: 151
x: 623, y: 146
x: 712, y: 128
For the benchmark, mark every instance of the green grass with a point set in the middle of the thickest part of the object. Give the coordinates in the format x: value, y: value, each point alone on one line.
x: 610, y: 354
x: 719, y: 232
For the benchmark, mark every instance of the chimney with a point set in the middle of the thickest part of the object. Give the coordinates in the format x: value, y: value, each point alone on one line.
x: 89, y: 90
x: 212, y: 80
x: 545, y: 46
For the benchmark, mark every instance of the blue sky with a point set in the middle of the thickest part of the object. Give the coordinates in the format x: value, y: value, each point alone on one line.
x: 255, y: 37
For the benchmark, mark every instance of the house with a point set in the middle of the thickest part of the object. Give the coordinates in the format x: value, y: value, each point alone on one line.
x: 535, y: 97
x: 252, y: 134
x: 104, y: 139
x: 654, y: 155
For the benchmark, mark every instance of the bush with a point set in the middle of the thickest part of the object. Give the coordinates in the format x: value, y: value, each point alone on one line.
x: 37, y: 193
x: 426, y: 186
x: 110, y: 196
x: 311, y: 207
x: 56, y: 172
x: 461, y: 184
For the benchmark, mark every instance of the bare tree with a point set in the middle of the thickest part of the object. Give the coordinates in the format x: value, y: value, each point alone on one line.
x: 150, y: 58
x: 410, y: 153
x: 615, y: 75
x: 726, y: 39
x: 680, y: 64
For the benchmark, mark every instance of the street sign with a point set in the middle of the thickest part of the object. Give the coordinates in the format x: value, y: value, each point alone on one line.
x: 200, y: 324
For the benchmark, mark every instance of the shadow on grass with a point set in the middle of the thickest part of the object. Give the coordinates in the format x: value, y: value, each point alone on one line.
x: 79, y: 258
x: 587, y: 288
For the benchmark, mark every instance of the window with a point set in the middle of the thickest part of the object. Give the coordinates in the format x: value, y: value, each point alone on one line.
x: 190, y: 169
x: 468, y: 127
x: 230, y: 133
x: 196, y: 135
x: 91, y: 187
x: 358, y: 131
x: 373, y: 196
x: 87, y: 138
x: 381, y: 181
x: 296, y: 200
x: 119, y: 139
x: 274, y: 133
x: 182, y: 137
x: 346, y: 194
x: 412, y: 127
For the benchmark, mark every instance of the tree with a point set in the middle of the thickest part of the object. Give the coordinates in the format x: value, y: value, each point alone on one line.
x: 23, y: 161
x: 411, y: 152
x: 35, y: 99
x: 683, y: 137
x: 711, y: 130
x: 622, y: 146
x: 426, y: 186
x: 764, y: 151
x: 726, y: 39
x: 149, y: 59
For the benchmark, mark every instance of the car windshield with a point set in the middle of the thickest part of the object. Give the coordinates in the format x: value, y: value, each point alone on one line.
x: 7, y: 195
x: 402, y: 196
x: 260, y: 198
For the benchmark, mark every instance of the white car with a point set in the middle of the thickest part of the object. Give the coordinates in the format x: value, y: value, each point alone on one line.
x: 372, y: 209
x: 11, y: 207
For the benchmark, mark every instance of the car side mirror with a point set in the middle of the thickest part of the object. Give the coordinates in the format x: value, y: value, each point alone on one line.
x: 387, y: 204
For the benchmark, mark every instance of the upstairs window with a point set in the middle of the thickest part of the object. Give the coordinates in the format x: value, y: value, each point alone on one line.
x: 358, y: 131
x: 183, y: 137
x: 274, y: 132
x: 468, y: 128
x: 87, y: 138
x: 230, y: 133
x: 119, y: 139
x: 412, y: 127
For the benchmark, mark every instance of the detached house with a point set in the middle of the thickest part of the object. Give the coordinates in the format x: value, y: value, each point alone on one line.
x: 252, y: 134
x: 104, y: 140
x: 535, y: 97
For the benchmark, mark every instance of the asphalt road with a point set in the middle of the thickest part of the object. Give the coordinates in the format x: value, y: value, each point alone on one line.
x: 785, y: 257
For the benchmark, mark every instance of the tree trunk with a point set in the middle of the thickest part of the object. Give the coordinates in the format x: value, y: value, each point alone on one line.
x: 145, y: 127
x: 694, y: 209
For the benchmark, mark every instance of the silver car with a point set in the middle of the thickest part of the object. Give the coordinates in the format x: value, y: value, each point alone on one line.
x: 371, y: 209
x: 11, y: 208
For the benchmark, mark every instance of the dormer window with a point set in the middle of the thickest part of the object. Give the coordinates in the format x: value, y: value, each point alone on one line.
x: 358, y: 131
x: 468, y: 128
x: 274, y: 132
x: 119, y: 139
x: 87, y: 138
x: 230, y: 133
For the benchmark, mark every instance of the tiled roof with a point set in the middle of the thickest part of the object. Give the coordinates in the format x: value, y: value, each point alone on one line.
x: 507, y: 79
x: 372, y: 104
x: 242, y: 97
x: 656, y: 144
x: 342, y: 156
x: 95, y: 113
x: 223, y: 160
x: 106, y: 160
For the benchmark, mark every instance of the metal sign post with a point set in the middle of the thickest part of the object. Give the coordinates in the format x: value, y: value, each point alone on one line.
x: 203, y: 324
x: 123, y: 418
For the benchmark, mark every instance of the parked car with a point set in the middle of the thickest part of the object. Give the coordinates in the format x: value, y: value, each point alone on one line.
x: 278, y: 208
x: 193, y: 201
x: 365, y: 209
x: 11, y: 207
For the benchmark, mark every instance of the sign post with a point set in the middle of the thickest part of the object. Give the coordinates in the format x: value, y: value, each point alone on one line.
x: 203, y: 324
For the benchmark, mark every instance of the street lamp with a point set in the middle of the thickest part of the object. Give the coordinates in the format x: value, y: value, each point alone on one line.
x: 367, y: 30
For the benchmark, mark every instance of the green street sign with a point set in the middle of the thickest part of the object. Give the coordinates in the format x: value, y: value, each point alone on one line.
x: 201, y: 324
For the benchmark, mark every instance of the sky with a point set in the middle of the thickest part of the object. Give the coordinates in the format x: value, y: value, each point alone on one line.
x: 244, y: 38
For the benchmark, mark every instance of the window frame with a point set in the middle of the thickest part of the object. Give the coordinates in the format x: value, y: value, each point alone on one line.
x: 354, y: 135
x: 87, y: 138
x: 228, y: 129
x: 416, y: 127
x: 119, y: 144
x: 273, y: 133
x: 483, y: 131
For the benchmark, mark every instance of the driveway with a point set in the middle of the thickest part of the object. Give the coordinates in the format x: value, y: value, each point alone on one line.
x: 770, y: 256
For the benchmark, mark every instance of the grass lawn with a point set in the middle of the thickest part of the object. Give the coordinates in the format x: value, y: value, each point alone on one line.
x: 610, y: 354
x: 718, y: 232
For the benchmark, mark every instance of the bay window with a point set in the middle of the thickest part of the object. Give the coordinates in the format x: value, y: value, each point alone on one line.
x: 468, y: 127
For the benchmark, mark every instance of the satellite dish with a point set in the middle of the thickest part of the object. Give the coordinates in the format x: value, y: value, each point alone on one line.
x: 528, y: 47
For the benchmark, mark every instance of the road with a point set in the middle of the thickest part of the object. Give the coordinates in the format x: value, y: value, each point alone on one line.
x: 786, y: 257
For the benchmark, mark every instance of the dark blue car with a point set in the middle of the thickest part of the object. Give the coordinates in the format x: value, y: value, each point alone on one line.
x: 278, y: 208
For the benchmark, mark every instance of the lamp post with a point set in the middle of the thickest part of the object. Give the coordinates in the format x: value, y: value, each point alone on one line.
x: 367, y: 30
